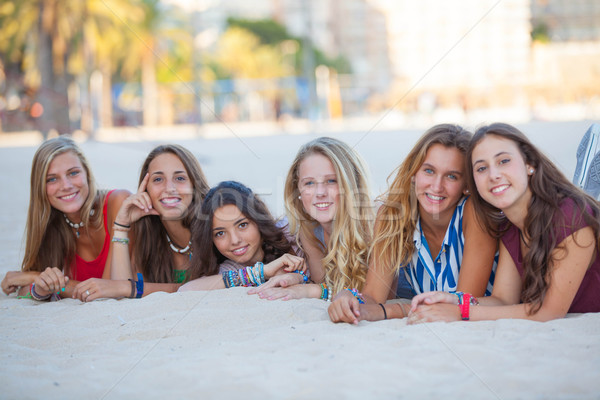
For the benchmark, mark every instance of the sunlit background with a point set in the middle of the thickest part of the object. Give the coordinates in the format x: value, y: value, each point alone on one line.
x: 94, y: 66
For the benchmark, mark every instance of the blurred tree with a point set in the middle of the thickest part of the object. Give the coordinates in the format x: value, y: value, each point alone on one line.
x: 241, y: 54
x: 270, y: 32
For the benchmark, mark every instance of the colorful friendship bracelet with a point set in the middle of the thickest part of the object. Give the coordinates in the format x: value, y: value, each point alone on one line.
x: 124, y: 241
x: 356, y: 294
x: 36, y: 296
x: 247, y: 276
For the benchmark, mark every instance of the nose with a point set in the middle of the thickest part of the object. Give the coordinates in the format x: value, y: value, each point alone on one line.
x: 235, y: 238
x: 494, y: 173
x: 66, y: 183
x: 437, y: 183
x: 321, y: 190
x: 170, y: 185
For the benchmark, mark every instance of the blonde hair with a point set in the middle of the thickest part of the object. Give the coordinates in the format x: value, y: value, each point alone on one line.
x: 393, y: 244
x: 345, y: 262
x: 49, y: 241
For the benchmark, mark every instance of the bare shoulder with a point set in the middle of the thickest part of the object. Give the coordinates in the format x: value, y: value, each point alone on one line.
x: 116, y: 198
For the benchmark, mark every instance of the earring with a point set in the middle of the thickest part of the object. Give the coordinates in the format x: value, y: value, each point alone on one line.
x: 300, y: 197
x: 467, y: 191
x: 531, y: 171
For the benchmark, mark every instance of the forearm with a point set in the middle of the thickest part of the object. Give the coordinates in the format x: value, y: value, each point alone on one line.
x: 121, y: 262
x: 150, y: 287
x: 515, y: 311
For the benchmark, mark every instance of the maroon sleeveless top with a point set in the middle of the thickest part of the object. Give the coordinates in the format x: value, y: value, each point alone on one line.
x: 587, y: 298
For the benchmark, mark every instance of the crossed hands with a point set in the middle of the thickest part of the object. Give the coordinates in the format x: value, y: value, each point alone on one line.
x: 282, y: 282
x: 434, y: 307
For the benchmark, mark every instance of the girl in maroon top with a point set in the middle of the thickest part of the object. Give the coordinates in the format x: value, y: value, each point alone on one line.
x: 549, y: 262
x: 69, y: 225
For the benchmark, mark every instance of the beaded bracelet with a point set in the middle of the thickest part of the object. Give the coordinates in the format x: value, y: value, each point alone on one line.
x: 304, y: 276
x: 325, y: 292
x: 124, y: 241
x: 356, y: 294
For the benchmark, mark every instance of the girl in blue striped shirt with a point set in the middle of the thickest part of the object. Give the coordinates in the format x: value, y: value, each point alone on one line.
x: 427, y: 236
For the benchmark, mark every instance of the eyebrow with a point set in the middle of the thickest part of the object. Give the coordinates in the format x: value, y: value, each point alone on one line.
x: 235, y: 223
x: 495, y: 155
x: 324, y: 176
x: 449, y: 172
x: 69, y: 170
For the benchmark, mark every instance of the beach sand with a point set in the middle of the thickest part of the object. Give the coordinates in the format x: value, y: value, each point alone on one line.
x: 227, y: 344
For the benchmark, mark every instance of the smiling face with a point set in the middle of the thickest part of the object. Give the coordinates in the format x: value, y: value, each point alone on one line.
x: 439, y: 182
x: 169, y: 186
x: 236, y: 237
x: 319, y: 189
x: 67, y: 185
x: 501, y: 174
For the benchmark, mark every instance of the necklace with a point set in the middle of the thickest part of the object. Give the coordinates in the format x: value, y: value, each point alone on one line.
x: 176, y: 250
x: 74, y: 226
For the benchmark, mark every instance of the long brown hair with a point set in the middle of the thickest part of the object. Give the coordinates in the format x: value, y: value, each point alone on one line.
x: 152, y: 253
x: 207, y: 258
x: 49, y: 240
x: 549, y: 188
x: 345, y: 262
x: 393, y: 244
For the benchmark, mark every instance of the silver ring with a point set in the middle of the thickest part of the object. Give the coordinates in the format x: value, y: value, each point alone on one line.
x: 87, y: 292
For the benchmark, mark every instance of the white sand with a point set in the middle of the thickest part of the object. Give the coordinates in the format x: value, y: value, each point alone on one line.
x: 226, y: 344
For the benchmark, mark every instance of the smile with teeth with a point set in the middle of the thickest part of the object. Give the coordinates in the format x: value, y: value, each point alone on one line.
x: 499, y: 189
x: 240, y: 251
x: 434, y: 197
x: 170, y: 200
x: 69, y: 196
x: 322, y: 206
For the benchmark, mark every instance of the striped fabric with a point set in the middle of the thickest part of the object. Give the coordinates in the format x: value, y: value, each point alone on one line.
x: 426, y: 274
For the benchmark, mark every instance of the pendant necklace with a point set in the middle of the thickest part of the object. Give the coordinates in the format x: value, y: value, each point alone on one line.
x: 74, y: 226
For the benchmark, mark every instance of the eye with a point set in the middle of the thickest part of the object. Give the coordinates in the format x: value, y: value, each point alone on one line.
x: 243, y: 225
x: 308, y: 183
x: 332, y: 181
x: 452, y: 177
x: 428, y: 171
x: 219, y: 234
x: 504, y: 160
x: 50, y: 180
x: 74, y: 173
x: 480, y: 169
x: 157, y: 179
x: 180, y: 179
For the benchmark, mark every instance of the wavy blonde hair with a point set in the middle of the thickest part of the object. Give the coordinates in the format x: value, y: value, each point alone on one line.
x: 346, y: 259
x: 49, y: 240
x: 393, y: 244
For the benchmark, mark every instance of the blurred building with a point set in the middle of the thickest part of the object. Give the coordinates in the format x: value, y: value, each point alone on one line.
x: 567, y: 20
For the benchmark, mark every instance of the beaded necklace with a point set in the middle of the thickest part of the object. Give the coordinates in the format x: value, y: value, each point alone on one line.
x: 186, y: 249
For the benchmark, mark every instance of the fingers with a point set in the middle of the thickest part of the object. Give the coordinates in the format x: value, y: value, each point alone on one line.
x: 52, y: 280
x: 273, y: 294
x: 344, y: 310
x: 87, y: 290
x: 144, y: 183
x: 294, y: 263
